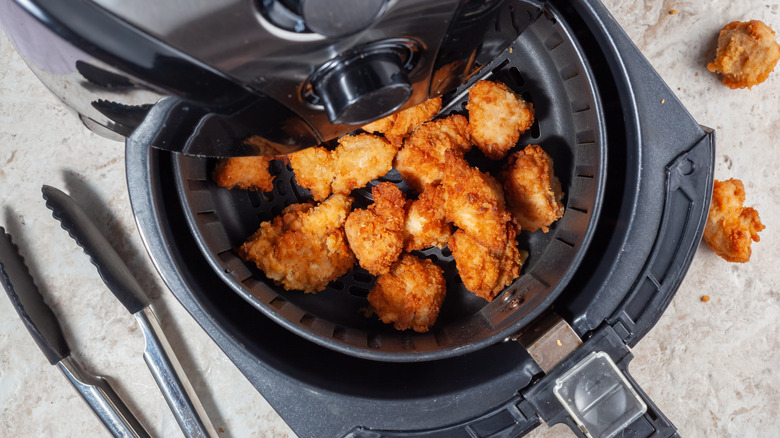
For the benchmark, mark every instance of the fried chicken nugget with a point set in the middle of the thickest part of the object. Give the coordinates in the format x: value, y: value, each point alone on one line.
x: 482, y: 271
x: 747, y: 53
x: 305, y: 247
x: 474, y: 202
x: 730, y: 226
x: 375, y: 235
x: 497, y: 117
x: 426, y: 225
x: 245, y: 173
x: 313, y: 168
x: 357, y: 160
x: 410, y: 295
x: 397, y: 126
x: 421, y: 160
x: 533, y: 193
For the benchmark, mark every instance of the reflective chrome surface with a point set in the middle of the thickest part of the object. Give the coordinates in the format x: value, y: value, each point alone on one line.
x: 103, y: 400
x: 170, y: 377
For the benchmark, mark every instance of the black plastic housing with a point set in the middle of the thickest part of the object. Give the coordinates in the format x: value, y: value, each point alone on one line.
x: 659, y: 181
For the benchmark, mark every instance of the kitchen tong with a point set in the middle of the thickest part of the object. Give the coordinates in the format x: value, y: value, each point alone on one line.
x: 47, y: 333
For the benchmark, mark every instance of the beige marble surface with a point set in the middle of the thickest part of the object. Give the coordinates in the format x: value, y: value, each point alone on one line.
x: 713, y: 368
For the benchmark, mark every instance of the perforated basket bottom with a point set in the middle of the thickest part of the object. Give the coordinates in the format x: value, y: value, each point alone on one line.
x: 544, y: 66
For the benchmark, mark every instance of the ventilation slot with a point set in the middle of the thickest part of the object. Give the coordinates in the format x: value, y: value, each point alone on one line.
x: 197, y: 185
x: 307, y: 320
x: 255, y: 198
x: 569, y: 72
x: 373, y: 340
x: 277, y: 303
x: 586, y: 137
x: 516, y: 77
x: 553, y: 41
x: 358, y: 291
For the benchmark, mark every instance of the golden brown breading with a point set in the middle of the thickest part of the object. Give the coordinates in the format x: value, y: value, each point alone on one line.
x: 747, y: 53
x: 245, y: 173
x: 410, y: 295
x: 425, y: 225
x: 375, y: 235
x: 482, y: 271
x: 474, y: 202
x: 305, y: 247
x: 497, y: 117
x: 359, y: 159
x: 730, y: 226
x: 397, y: 126
x: 533, y: 192
x: 421, y: 160
x: 313, y: 168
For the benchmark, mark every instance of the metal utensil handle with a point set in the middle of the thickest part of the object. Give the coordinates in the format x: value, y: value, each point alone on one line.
x: 170, y: 377
x: 103, y: 400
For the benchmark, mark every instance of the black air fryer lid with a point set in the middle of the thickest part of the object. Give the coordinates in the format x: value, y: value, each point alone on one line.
x: 659, y: 178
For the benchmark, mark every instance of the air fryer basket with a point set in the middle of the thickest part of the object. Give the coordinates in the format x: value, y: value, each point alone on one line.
x: 544, y: 65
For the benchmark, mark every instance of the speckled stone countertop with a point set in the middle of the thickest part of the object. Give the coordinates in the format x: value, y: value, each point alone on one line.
x: 712, y: 367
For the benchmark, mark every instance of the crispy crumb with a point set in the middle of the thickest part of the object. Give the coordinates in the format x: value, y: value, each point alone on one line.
x: 705, y: 298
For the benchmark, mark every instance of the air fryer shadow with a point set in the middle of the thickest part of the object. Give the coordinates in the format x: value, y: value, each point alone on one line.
x: 569, y: 126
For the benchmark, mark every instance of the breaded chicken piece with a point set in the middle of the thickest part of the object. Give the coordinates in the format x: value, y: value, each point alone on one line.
x: 359, y: 159
x: 245, y: 173
x: 410, y: 295
x: 474, y: 202
x: 497, y: 117
x: 375, y: 235
x: 730, y: 226
x: 305, y: 247
x: 533, y: 192
x: 425, y: 225
x: 747, y: 53
x: 482, y: 271
x: 421, y: 160
x: 397, y: 126
x: 313, y: 168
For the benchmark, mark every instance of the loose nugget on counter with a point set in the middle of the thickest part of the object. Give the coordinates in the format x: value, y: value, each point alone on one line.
x: 731, y: 227
x: 747, y: 53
